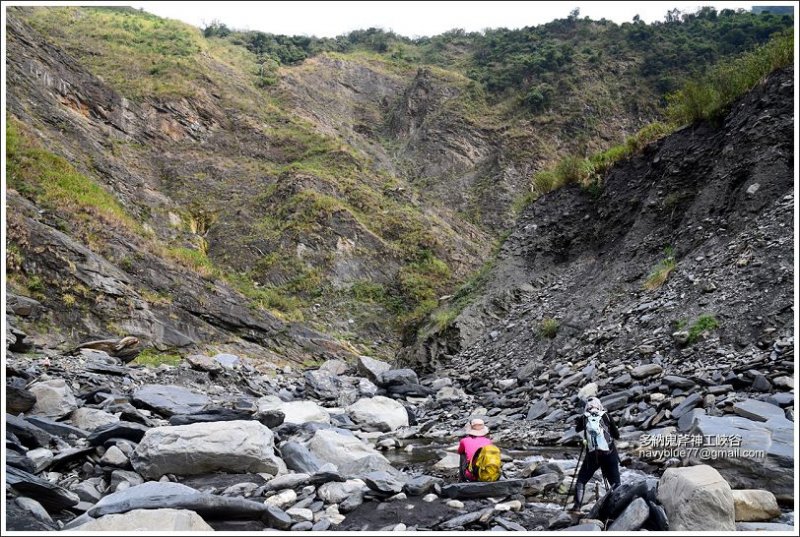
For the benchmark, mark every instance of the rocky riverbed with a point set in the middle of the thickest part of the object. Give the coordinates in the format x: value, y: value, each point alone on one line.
x: 219, y: 443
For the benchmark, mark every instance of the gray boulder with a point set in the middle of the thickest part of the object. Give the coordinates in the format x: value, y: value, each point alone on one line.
x: 696, y: 498
x: 763, y: 458
x: 371, y: 368
x: 537, y: 410
x: 371, y: 463
x: 378, y: 412
x: 202, y: 362
x: 89, y: 419
x: 755, y: 505
x: 383, y: 483
x: 296, y: 412
x: 334, y: 367
x: 337, y: 492
x: 329, y: 445
x: 421, y: 485
x: 160, y: 520
x: 322, y: 384
x: 54, y: 398
x: 52, y: 497
x: 395, y: 377
x: 232, y: 446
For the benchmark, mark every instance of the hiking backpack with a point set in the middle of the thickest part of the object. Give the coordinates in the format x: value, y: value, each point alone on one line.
x: 486, y: 463
x: 597, y: 436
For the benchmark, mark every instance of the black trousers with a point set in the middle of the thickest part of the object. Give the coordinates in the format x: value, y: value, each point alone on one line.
x: 608, y: 462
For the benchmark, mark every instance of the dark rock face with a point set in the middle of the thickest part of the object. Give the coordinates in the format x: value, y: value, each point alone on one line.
x: 719, y: 194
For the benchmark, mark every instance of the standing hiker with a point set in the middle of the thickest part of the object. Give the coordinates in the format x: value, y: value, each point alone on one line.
x: 479, y: 459
x: 600, y: 431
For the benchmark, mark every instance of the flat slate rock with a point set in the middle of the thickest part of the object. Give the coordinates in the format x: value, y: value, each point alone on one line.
x: 157, y: 495
x: 220, y: 481
x: 168, y: 400
x: 52, y: 497
x: 421, y: 485
x: 69, y: 455
x: 107, y: 369
x: 29, y: 435
x: 493, y: 489
x: 687, y: 405
x: 209, y: 415
x: 464, y: 520
x: 57, y: 428
x: 583, y: 527
x: 757, y: 410
x: 121, y: 429
x: 20, y: 461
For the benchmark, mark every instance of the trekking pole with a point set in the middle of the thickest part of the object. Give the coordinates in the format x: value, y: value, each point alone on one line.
x: 574, y: 475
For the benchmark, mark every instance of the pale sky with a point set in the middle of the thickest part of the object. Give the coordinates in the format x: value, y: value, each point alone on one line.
x: 412, y: 19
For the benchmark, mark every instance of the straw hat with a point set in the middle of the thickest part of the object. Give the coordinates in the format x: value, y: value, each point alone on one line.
x: 476, y: 427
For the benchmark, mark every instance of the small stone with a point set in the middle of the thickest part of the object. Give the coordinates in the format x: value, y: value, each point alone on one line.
x: 752, y: 189
x: 428, y: 498
x: 282, y: 499
x: 455, y: 504
x: 761, y: 384
x: 114, y: 457
x: 301, y: 514
x: 783, y: 382
x: 647, y: 370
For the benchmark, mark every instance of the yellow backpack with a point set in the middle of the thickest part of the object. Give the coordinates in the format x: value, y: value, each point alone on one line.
x: 486, y: 464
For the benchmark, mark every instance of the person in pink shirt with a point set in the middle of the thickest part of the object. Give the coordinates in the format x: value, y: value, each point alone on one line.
x: 477, y: 437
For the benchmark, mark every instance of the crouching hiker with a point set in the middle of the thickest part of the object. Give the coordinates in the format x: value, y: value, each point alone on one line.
x: 479, y: 459
x: 600, y: 431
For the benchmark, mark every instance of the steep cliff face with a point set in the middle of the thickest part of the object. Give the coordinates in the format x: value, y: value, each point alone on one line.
x: 222, y: 191
x: 694, y: 236
x: 348, y: 195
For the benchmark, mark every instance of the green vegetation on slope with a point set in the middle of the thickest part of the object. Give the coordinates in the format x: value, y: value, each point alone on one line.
x: 571, y: 78
x: 55, y: 184
x: 142, y: 55
x: 548, y: 65
x: 705, y: 98
x: 702, y: 325
x: 710, y: 96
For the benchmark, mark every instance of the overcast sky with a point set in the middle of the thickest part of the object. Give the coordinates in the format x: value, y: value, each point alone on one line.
x: 329, y: 19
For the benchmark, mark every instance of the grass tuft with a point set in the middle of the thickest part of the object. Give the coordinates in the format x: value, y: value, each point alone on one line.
x: 660, y: 273
x: 705, y: 323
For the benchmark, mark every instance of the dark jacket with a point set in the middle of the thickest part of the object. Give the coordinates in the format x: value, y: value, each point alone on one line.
x: 580, y: 425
